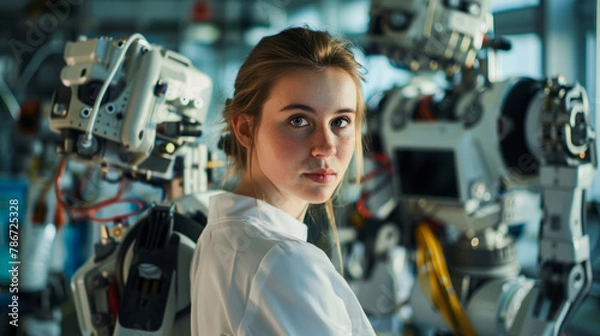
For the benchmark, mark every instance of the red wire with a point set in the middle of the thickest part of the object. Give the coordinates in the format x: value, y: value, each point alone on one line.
x: 361, y: 206
x: 386, y: 166
x: 372, y: 174
x: 85, y: 208
x: 92, y: 209
x: 113, y: 299
x: 486, y: 40
x: 384, y: 160
x: 424, y: 109
x: 117, y: 217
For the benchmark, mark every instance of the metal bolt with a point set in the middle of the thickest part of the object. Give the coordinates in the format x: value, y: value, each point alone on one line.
x: 110, y: 108
x: 183, y: 101
x: 86, y: 112
x: 198, y: 103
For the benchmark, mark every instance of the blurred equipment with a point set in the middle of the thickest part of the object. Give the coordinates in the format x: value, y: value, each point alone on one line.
x: 443, y: 34
x: 466, y: 157
x: 135, y: 110
x: 129, y: 105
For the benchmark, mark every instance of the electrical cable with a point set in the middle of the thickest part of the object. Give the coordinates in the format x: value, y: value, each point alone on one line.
x: 140, y: 208
x: 40, y: 207
x: 385, y: 167
x: 90, y: 210
x: 424, y: 109
x: 361, y: 206
x: 429, y: 284
x: 92, y: 121
x: 434, y: 277
x: 67, y: 207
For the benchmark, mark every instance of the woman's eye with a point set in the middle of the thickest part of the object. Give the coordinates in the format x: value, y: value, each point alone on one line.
x: 340, y: 122
x: 298, y: 121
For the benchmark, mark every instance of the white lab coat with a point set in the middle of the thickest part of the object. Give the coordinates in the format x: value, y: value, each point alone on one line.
x: 254, y: 273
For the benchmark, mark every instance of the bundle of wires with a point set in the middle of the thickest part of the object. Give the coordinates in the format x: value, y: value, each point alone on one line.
x: 435, y: 281
x: 385, y: 166
x: 90, y: 210
x: 431, y: 265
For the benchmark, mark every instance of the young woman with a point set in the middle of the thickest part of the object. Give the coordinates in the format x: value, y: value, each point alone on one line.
x: 294, y: 124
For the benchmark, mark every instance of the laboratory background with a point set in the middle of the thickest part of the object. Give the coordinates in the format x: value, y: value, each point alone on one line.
x: 478, y: 212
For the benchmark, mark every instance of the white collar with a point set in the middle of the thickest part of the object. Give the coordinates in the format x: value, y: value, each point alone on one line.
x: 228, y: 205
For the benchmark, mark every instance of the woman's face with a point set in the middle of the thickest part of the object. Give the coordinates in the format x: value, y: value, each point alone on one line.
x: 306, y: 136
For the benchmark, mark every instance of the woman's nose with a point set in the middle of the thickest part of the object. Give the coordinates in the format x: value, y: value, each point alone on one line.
x: 323, y: 144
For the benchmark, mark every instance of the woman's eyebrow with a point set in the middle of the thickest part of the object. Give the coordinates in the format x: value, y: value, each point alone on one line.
x: 312, y: 110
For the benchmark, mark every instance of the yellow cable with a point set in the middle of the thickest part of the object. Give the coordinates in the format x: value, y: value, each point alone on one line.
x: 440, y: 277
x: 442, y: 272
x: 447, y: 300
x: 429, y: 282
x: 215, y: 164
x: 434, y: 277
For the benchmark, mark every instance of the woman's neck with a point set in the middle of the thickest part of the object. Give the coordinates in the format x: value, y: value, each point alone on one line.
x: 267, y: 192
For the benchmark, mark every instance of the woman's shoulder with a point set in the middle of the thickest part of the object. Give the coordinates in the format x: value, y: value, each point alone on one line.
x: 253, y: 241
x: 290, y: 258
x: 298, y: 249
x: 242, y: 233
x: 250, y: 243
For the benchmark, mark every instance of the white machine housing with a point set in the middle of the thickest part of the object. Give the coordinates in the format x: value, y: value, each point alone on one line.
x: 155, y: 103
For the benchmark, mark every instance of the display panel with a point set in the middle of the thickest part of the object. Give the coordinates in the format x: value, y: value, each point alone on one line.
x: 426, y: 173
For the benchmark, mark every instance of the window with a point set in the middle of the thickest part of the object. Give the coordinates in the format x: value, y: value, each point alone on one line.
x: 524, y: 58
x: 502, y: 5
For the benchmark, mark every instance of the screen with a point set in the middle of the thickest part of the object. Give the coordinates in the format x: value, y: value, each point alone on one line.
x: 426, y: 173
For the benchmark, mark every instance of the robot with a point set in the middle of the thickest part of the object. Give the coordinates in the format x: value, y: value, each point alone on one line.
x: 136, y: 110
x: 462, y: 157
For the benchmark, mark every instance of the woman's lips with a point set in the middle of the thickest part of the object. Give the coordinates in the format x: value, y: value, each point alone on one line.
x: 321, y: 178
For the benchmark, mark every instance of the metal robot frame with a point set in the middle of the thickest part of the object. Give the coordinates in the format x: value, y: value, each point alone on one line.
x: 137, y: 108
x: 463, y: 157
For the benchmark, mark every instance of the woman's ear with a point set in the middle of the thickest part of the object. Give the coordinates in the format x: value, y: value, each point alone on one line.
x: 242, y: 126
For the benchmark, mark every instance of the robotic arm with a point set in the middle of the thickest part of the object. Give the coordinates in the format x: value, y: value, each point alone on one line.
x: 129, y: 105
x: 465, y: 155
x: 568, y: 168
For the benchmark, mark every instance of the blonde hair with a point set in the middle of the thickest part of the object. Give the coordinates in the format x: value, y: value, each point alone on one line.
x: 273, y: 56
